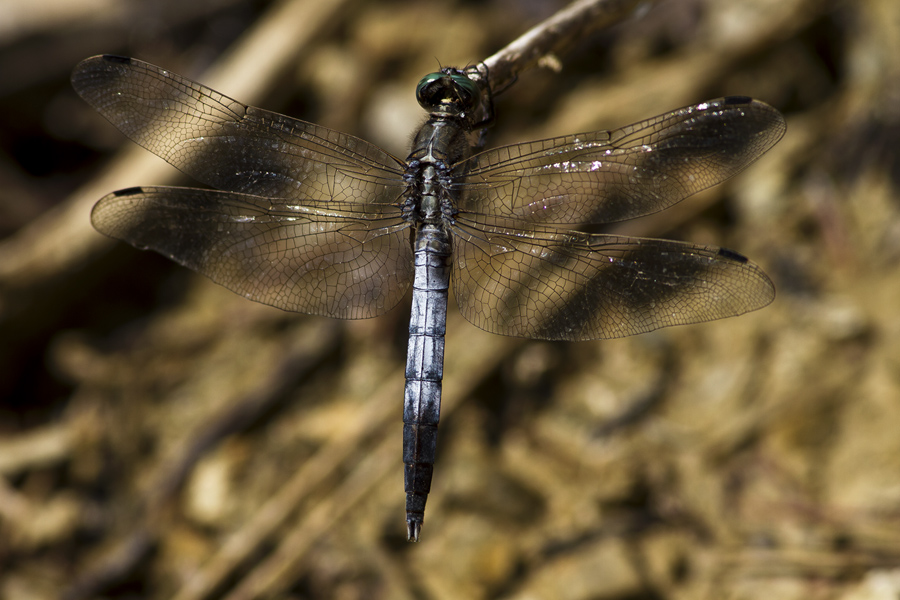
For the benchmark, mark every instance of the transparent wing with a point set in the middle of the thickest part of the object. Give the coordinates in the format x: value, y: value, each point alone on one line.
x: 234, y: 147
x: 607, y: 176
x: 321, y: 258
x: 566, y: 285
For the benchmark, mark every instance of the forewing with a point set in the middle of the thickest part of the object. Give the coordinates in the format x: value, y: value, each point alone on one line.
x: 234, y: 147
x: 568, y: 285
x: 316, y: 258
x: 607, y: 176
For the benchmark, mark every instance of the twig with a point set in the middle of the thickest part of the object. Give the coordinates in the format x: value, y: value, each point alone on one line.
x: 294, y: 366
x: 553, y: 37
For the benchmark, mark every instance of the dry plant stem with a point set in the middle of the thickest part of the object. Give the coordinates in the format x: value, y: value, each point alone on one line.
x: 275, y: 574
x: 117, y: 564
x: 40, y: 447
x: 295, y: 365
x: 379, y: 414
x: 555, y: 36
x: 312, y: 473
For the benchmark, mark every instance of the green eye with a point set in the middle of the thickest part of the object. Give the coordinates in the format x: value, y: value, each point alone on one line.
x: 431, y: 77
x: 447, y: 91
x: 468, y: 87
x: 429, y: 91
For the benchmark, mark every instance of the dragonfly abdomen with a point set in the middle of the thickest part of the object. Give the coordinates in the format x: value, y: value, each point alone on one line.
x: 424, y: 369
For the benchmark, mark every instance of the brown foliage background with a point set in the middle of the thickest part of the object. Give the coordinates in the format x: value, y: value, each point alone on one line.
x: 161, y: 437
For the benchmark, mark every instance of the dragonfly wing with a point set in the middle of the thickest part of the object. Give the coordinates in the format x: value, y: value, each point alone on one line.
x: 566, y: 285
x: 230, y: 146
x: 607, y: 176
x: 312, y: 258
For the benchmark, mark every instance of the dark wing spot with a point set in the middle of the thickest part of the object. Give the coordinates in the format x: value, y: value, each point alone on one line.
x: 732, y: 255
x: 117, y: 59
x: 128, y: 191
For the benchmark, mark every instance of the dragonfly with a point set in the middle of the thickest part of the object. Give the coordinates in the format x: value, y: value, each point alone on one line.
x: 312, y: 220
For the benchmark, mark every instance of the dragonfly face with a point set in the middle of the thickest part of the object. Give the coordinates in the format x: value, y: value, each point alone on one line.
x: 449, y: 93
x: 312, y: 220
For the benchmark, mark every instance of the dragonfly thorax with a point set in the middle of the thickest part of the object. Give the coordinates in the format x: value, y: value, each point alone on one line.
x: 440, y: 145
x: 428, y: 201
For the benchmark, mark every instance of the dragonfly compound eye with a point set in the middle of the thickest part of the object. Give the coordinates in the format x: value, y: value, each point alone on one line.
x: 466, y: 91
x: 431, y: 91
x: 449, y: 93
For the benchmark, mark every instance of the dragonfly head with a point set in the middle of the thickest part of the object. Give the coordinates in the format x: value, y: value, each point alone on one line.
x: 449, y: 93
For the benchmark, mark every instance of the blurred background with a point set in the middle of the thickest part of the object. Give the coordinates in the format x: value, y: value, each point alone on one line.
x: 161, y: 437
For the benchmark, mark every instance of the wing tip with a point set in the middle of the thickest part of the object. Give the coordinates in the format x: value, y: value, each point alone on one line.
x: 115, y: 58
x: 733, y: 256
x: 128, y: 191
x: 729, y: 100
